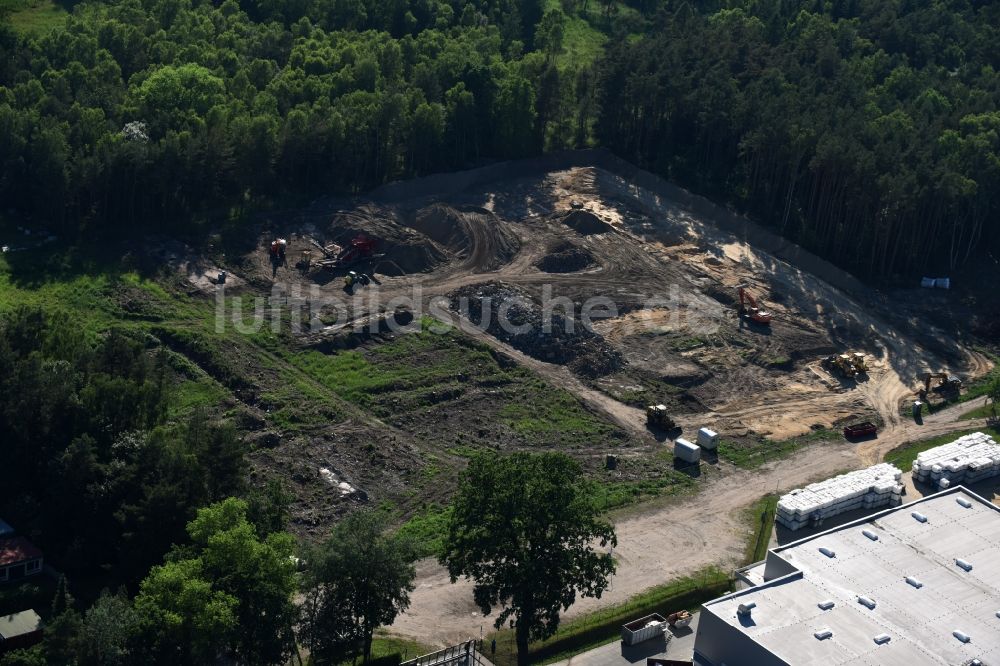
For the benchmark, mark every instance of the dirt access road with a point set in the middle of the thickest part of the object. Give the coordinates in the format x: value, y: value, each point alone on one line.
x: 664, y: 540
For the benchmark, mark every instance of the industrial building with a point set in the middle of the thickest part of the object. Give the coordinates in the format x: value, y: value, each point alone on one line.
x: 912, y: 585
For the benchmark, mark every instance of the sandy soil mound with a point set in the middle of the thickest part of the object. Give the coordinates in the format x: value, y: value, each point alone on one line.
x: 584, y: 352
x: 566, y: 258
x: 472, y: 234
x: 584, y: 222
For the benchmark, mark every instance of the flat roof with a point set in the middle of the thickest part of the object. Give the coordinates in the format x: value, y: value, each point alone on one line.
x: 17, y: 549
x: 920, y: 617
x: 19, y: 624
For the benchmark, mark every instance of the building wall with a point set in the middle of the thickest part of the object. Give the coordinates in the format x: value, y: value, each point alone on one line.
x: 717, y: 643
x: 19, y: 571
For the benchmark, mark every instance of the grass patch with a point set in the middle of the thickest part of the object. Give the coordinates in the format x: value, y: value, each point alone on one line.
x: 418, y: 371
x: 426, y: 530
x: 33, y: 17
x: 903, y: 456
x: 752, y: 452
x: 604, y: 626
x: 191, y: 394
x: 983, y: 411
x: 582, y: 42
x: 388, y: 650
x: 978, y: 387
x: 34, y: 592
x: 615, y: 494
x: 760, y: 515
x: 557, y: 413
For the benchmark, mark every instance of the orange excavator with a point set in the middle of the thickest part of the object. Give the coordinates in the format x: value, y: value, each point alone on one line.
x: 751, y: 310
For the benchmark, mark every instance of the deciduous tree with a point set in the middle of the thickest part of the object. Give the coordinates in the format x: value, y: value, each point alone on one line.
x: 525, y: 529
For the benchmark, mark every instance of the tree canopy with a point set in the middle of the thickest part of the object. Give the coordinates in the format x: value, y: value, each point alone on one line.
x: 228, y: 591
x: 525, y: 529
x: 90, y: 465
x: 356, y: 581
x: 866, y: 130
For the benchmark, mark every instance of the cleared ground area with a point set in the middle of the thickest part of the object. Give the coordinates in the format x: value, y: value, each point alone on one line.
x: 394, y: 414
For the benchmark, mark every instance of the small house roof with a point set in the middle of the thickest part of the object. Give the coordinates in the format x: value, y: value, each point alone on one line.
x: 19, y: 624
x: 17, y: 549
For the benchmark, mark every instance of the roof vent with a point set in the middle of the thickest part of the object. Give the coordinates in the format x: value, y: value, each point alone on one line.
x: 914, y: 582
x: 871, y: 535
x: 882, y: 639
x: 998, y: 613
x: 919, y: 516
x: 744, y: 609
x: 964, y: 502
x: 962, y: 636
x: 828, y: 604
x: 826, y: 551
x: 865, y: 601
x: 823, y: 634
x: 962, y: 564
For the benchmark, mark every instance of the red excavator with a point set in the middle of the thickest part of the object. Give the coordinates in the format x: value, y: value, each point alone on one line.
x: 751, y: 310
x: 359, y: 246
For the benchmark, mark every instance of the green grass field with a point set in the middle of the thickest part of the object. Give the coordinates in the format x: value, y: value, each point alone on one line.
x: 33, y: 17
x: 751, y: 452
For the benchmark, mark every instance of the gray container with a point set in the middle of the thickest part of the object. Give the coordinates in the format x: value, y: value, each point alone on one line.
x: 686, y: 451
x: 708, y: 439
x: 643, y: 629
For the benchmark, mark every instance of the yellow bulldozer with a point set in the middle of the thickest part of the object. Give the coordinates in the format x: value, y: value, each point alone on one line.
x: 846, y: 365
x: 656, y: 416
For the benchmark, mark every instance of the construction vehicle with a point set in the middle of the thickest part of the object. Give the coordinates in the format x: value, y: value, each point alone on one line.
x: 335, y: 256
x: 656, y: 416
x: 352, y: 279
x: 859, y: 430
x: 859, y: 363
x: 358, y: 247
x: 947, y: 383
x: 277, y: 251
x: 750, y: 310
x: 841, y: 364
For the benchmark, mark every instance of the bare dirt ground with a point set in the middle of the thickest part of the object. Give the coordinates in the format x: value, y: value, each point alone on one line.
x: 671, y: 276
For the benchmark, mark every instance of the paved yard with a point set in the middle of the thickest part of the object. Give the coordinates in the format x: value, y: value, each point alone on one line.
x: 679, y: 647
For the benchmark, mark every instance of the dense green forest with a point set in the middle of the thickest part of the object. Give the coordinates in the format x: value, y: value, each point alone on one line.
x: 866, y: 130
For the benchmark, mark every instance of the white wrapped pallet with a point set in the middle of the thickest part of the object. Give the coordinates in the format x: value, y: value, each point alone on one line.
x: 869, y: 488
x: 686, y: 451
x: 968, y: 459
x: 708, y: 439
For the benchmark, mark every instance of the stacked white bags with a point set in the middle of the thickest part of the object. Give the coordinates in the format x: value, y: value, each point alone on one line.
x: 869, y: 488
x: 968, y: 459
